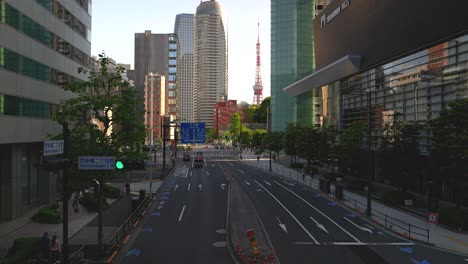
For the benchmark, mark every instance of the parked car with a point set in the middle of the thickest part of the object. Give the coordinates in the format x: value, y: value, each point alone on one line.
x: 186, y: 157
x: 198, y: 162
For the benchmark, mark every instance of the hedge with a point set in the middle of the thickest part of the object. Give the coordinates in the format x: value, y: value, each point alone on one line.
x: 90, y: 201
x: 453, y: 217
x: 311, y: 170
x: 331, y: 176
x: 396, y: 197
x: 111, y: 191
x: 23, y: 250
x: 49, y: 214
x: 296, y: 165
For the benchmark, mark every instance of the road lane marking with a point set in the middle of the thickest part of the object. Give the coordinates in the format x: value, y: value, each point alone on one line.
x: 286, y: 209
x: 188, y: 188
x: 191, y: 173
x: 246, y: 182
x: 182, y: 213
x: 200, y: 186
x: 319, y: 225
x: 241, y: 171
x: 283, y: 226
x: 331, y: 220
x: 360, y: 227
x: 207, y: 173
x: 175, y: 187
x: 186, y: 174
x: 267, y: 182
x: 222, y: 186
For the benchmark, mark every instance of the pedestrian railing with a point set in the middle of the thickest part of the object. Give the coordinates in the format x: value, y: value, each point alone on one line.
x: 398, y: 226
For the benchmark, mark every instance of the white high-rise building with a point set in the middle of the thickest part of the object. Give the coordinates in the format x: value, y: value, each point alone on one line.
x: 211, y: 60
x: 184, y: 29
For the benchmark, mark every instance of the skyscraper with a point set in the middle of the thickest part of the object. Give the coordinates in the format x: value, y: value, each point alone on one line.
x: 292, y: 57
x: 211, y: 60
x: 184, y: 29
x: 157, y: 53
x: 40, y: 51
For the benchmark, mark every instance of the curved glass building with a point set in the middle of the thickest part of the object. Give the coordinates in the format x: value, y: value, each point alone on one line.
x: 210, y: 60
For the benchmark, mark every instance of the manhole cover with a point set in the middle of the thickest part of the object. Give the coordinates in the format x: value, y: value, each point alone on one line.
x: 221, y: 231
x: 220, y: 244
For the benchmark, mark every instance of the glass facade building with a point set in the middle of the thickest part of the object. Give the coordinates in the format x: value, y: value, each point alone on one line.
x: 292, y: 58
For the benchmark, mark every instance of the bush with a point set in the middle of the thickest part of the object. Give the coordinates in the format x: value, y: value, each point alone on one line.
x: 49, y: 214
x: 453, y: 217
x: 355, y: 185
x: 23, y: 250
x: 111, y: 191
x: 90, y: 201
x: 296, y: 165
x: 331, y: 176
x: 396, y: 197
x: 311, y: 170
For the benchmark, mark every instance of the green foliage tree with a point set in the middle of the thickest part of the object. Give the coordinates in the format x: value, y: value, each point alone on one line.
x: 260, y: 115
x: 258, y: 137
x: 293, y: 141
x: 234, y: 127
x: 211, y: 134
x: 249, y: 114
x: 347, y: 150
x: 308, y: 143
x: 275, y: 140
x: 246, y: 135
x: 450, y: 147
x: 104, y: 121
x: 398, y: 152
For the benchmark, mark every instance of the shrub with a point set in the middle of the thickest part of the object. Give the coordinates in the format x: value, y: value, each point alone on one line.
x: 49, y: 214
x: 296, y: 165
x: 331, y: 176
x: 396, y: 197
x: 90, y: 201
x: 453, y: 217
x: 355, y: 185
x: 311, y: 170
x: 23, y: 250
x: 111, y: 191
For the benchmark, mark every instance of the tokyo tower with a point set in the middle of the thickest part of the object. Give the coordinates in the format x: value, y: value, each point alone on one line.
x: 258, y: 86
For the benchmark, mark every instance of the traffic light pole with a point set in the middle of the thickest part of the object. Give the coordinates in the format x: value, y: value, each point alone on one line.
x: 66, y: 151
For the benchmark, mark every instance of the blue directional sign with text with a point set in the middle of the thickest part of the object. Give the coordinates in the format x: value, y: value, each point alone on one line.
x: 191, y: 133
x: 96, y: 163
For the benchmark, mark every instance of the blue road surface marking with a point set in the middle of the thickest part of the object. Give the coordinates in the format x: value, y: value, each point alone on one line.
x: 147, y: 229
x: 165, y: 193
x: 420, y: 262
x: 156, y: 214
x: 406, y: 250
x: 351, y: 215
x: 165, y: 198
x: 134, y: 251
x: 332, y: 204
x: 317, y: 195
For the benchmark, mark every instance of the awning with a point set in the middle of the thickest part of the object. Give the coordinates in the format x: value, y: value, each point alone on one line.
x: 336, y: 70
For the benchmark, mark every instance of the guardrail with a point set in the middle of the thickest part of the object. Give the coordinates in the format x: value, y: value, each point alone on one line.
x: 395, y: 225
x: 125, y: 228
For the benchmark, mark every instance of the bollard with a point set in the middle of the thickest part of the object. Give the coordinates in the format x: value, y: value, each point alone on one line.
x: 127, y: 188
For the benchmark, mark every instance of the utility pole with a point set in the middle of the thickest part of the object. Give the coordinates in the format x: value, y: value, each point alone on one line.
x: 371, y: 155
x: 66, y: 151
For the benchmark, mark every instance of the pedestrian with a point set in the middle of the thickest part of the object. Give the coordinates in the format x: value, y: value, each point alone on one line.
x: 258, y: 158
x: 44, y: 246
x: 54, y: 249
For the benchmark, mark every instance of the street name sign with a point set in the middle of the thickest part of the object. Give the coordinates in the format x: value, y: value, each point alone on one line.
x: 191, y: 133
x: 53, y: 147
x: 96, y: 163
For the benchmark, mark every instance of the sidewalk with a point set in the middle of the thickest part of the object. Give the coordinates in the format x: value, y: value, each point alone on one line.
x: 439, y: 236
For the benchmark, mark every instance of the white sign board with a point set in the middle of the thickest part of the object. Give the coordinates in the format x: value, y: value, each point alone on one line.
x: 53, y: 147
x: 96, y: 163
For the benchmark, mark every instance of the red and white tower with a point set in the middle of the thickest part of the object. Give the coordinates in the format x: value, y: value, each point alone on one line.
x: 258, y: 86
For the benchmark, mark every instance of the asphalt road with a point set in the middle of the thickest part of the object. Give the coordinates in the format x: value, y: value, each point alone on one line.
x: 188, y: 222
x: 305, y: 227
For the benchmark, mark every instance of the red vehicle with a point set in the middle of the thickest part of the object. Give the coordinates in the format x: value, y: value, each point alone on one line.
x: 198, y: 162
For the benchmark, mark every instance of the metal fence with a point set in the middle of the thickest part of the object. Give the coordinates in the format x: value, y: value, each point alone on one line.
x: 396, y: 225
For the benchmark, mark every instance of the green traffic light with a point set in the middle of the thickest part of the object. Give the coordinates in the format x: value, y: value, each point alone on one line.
x: 119, y: 165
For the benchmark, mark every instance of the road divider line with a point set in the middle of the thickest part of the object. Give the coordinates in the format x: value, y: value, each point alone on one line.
x: 182, y: 213
x: 326, y: 216
x: 267, y: 182
x: 246, y: 182
x: 241, y: 171
x: 188, y: 187
x: 291, y: 214
x: 207, y: 173
x: 359, y: 227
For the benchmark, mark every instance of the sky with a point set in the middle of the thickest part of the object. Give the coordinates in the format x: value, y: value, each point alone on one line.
x: 115, y: 22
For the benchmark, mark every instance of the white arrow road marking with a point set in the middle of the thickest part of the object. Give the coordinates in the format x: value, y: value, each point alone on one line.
x: 242, y: 172
x: 188, y: 188
x: 320, y: 212
x: 222, y: 186
x: 283, y: 226
x: 191, y: 173
x: 182, y: 213
x: 360, y: 227
x: 286, y: 209
x: 267, y: 182
x: 159, y: 207
x: 246, y: 182
x: 208, y: 173
x: 175, y: 187
x: 200, y: 186
x: 319, y: 225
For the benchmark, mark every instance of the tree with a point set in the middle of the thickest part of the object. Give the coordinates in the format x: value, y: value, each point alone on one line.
x: 275, y: 140
x: 398, y: 152
x: 308, y: 143
x: 249, y: 114
x: 260, y: 115
x: 234, y: 127
x: 211, y: 134
x: 349, y: 147
x: 292, y: 139
x: 450, y: 147
x: 258, y: 137
x: 104, y: 121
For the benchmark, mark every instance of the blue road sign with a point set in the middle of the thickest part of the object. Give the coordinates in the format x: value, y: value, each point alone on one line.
x: 191, y: 133
x: 96, y: 163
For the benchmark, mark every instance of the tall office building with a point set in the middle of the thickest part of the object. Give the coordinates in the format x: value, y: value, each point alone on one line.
x: 42, y: 44
x: 184, y: 29
x: 155, y: 105
x: 292, y: 57
x: 211, y: 60
x: 157, y: 53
